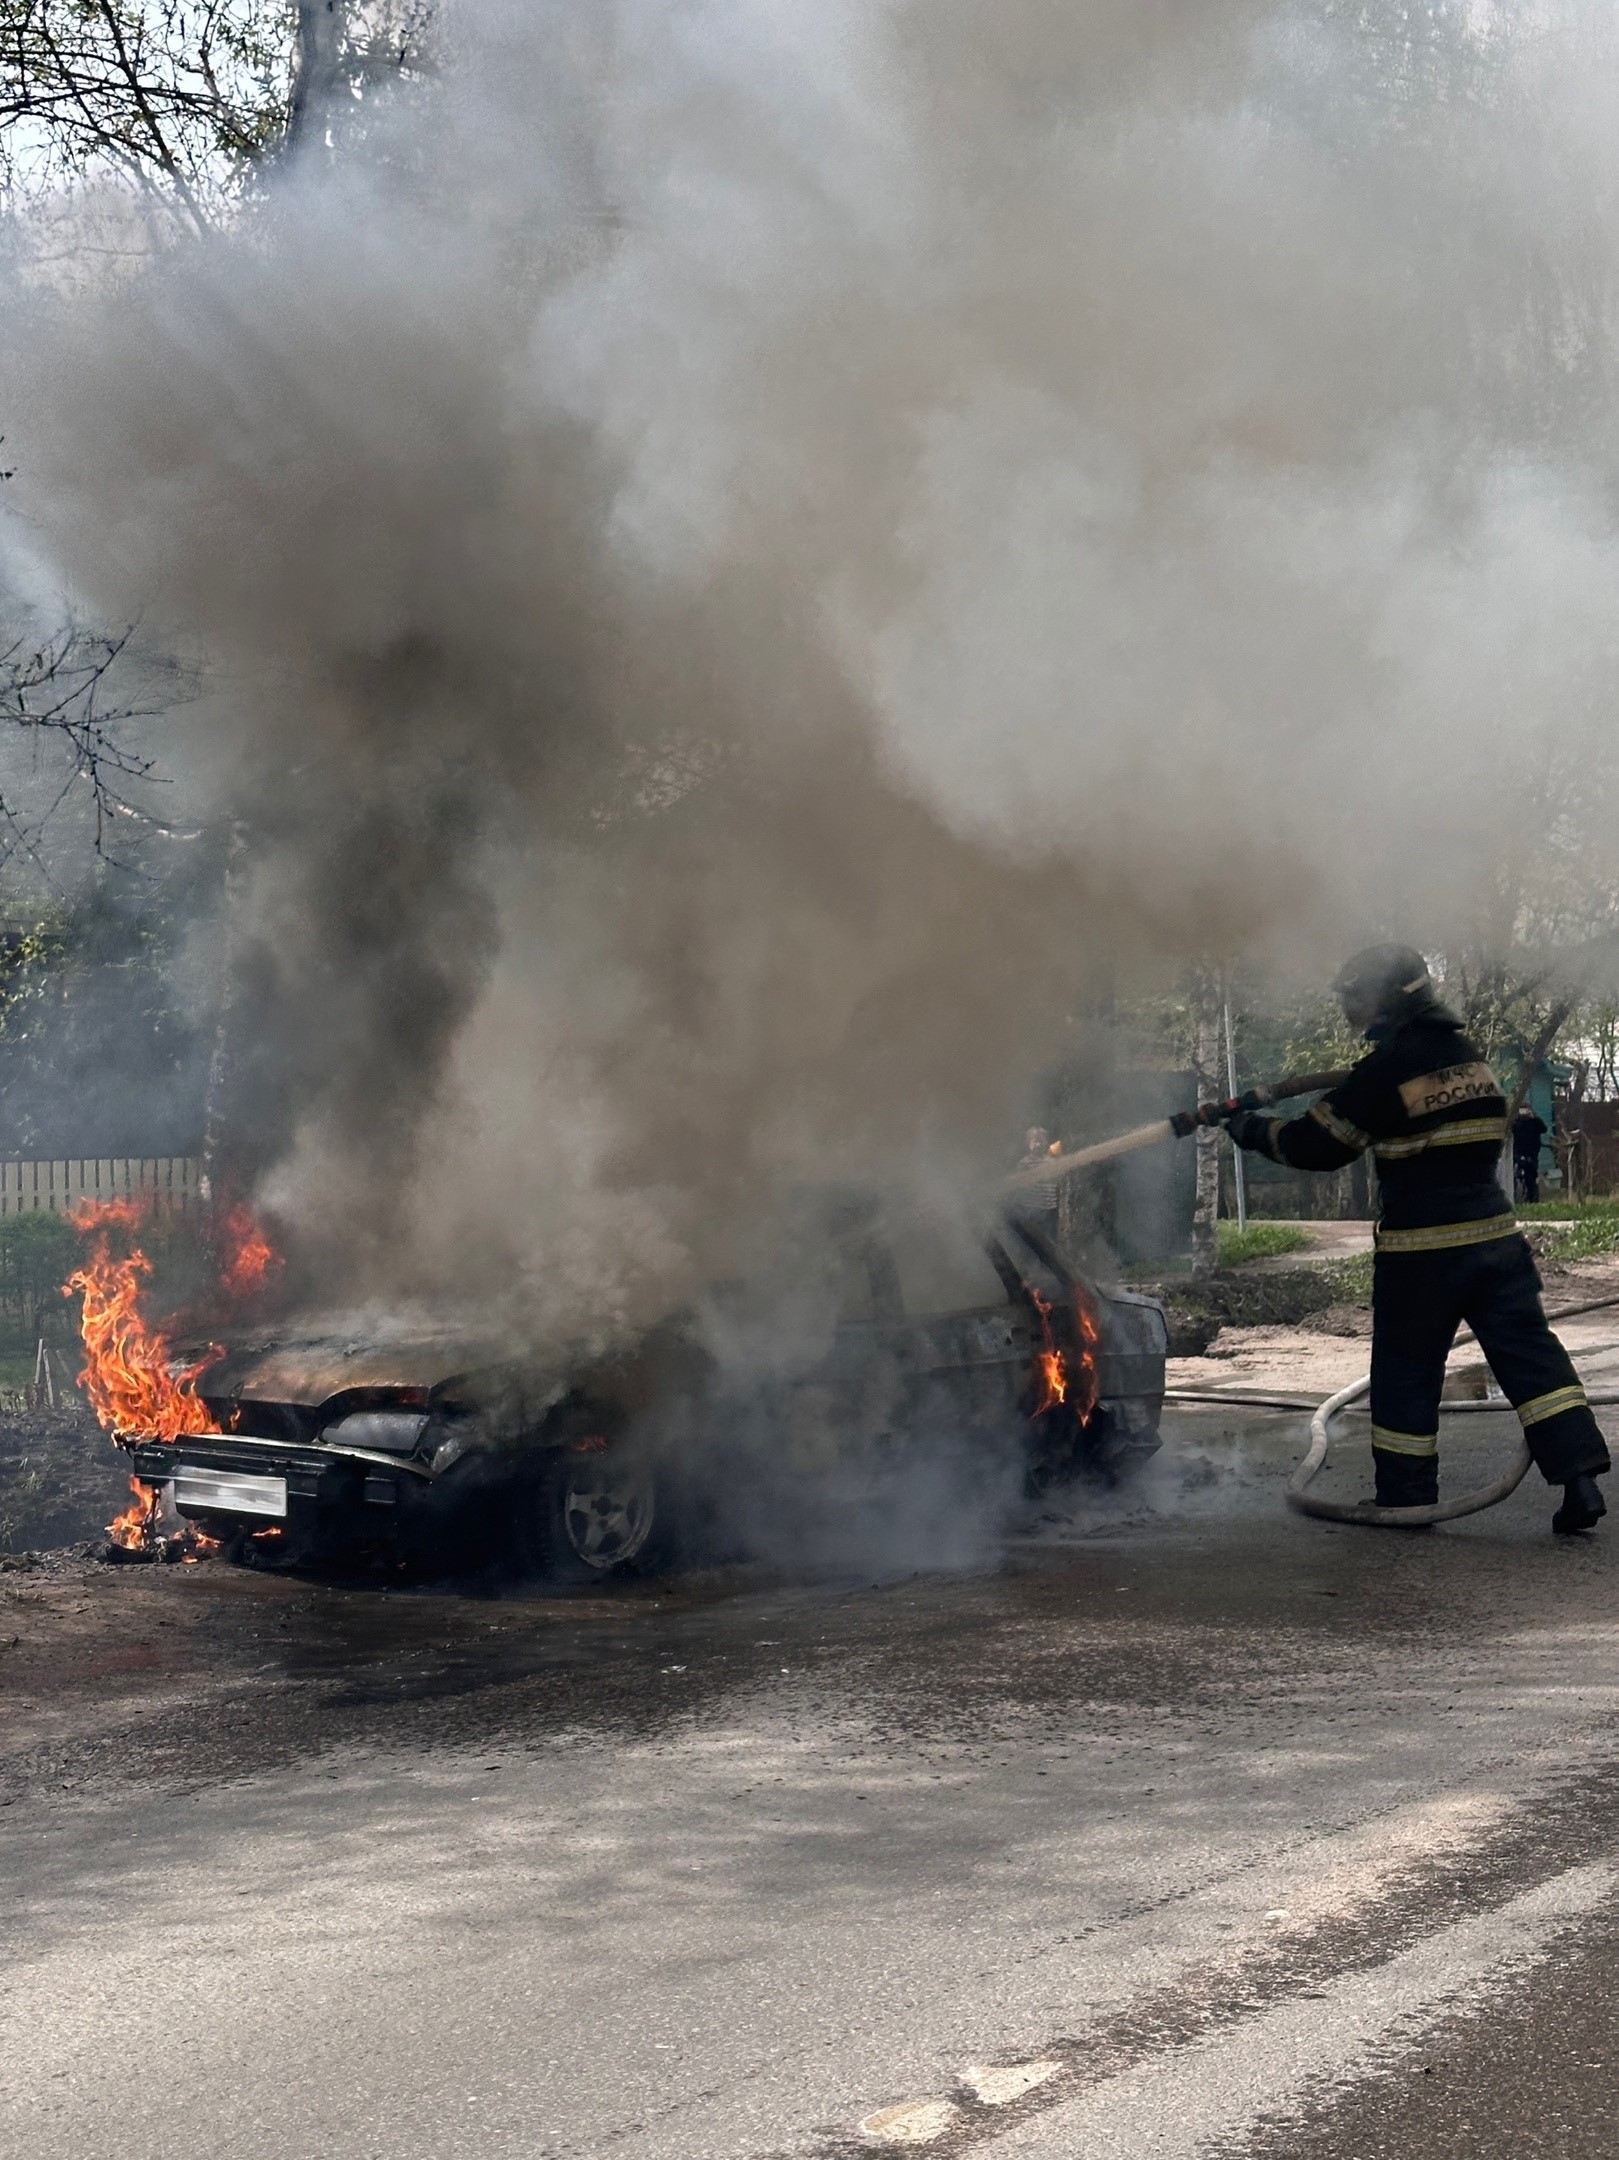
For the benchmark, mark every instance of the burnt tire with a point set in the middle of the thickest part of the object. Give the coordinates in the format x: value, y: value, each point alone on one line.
x: 588, y: 1515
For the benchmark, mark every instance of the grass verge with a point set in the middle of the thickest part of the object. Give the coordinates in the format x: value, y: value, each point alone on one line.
x: 1565, y: 1231
x: 1260, y: 1241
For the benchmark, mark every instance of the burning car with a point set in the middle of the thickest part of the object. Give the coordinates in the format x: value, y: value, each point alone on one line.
x: 434, y: 1445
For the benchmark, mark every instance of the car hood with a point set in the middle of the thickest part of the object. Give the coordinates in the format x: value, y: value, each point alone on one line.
x: 309, y: 1361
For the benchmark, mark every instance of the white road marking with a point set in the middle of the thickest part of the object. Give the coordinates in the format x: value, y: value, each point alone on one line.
x: 1171, y: 2106
x: 913, y: 2122
x: 994, y: 2084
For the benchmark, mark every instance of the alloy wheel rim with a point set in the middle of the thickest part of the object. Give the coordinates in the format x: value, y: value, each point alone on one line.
x: 607, y: 1512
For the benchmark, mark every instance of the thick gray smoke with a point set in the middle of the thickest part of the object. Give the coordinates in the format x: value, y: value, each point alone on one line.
x: 749, y: 555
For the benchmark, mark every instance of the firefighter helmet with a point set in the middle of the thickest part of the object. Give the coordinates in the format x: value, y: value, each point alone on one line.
x: 1381, y: 981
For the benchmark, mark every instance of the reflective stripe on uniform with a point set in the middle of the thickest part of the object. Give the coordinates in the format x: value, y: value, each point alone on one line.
x: 1404, y: 1443
x: 1341, y: 1130
x: 1469, y: 1132
x: 1541, y: 1407
x: 1443, y: 1236
x: 1448, y: 1089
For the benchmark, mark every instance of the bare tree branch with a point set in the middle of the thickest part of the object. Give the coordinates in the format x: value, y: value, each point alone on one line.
x: 73, y: 691
x: 184, y: 100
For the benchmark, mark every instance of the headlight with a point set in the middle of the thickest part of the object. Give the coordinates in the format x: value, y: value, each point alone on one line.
x: 391, y: 1432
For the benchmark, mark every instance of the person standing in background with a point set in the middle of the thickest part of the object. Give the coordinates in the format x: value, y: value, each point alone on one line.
x: 1037, y: 1202
x: 1528, y: 1131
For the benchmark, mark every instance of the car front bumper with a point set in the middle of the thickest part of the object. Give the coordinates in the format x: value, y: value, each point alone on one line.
x: 321, y: 1499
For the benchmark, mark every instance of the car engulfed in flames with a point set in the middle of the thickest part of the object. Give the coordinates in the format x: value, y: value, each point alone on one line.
x: 432, y: 1445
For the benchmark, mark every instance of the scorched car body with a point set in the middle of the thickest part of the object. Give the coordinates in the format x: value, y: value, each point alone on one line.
x: 437, y: 1447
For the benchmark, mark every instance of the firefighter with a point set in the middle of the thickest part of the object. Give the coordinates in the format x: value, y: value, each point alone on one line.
x: 1448, y: 1246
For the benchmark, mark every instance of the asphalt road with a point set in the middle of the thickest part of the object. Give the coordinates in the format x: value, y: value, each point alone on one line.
x: 1205, y: 1829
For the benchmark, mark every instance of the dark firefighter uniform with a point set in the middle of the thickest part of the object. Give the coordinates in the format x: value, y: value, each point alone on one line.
x: 1448, y: 1247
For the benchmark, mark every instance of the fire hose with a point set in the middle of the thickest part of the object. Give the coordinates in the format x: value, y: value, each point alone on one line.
x: 1169, y: 1128
x: 1321, y: 1422
x: 1367, y: 1511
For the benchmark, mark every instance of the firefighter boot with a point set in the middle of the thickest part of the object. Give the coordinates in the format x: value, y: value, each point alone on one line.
x: 1405, y: 1480
x: 1582, y: 1509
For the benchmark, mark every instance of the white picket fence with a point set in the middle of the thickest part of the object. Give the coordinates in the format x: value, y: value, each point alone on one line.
x: 169, y: 1181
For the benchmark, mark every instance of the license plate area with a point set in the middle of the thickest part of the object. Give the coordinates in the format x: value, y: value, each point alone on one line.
x: 228, y: 1492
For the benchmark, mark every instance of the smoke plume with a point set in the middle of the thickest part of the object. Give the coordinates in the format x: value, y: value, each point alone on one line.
x: 749, y: 557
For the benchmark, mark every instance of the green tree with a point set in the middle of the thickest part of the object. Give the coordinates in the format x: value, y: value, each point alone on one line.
x: 37, y: 1254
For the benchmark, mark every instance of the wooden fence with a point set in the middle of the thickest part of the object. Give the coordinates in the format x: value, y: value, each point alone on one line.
x: 1586, y: 1144
x: 169, y: 1181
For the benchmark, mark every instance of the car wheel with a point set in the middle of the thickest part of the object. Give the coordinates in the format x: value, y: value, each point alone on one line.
x: 593, y: 1514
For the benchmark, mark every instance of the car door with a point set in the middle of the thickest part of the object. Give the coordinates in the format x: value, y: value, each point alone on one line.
x: 965, y: 1333
x: 853, y: 1400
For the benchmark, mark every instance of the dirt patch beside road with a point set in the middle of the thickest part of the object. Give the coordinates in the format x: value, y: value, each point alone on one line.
x: 61, y: 1480
x: 1329, y: 1346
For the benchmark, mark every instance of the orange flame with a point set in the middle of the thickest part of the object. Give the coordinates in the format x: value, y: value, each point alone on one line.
x: 128, y: 1369
x: 1053, y: 1365
x: 247, y: 1258
x: 1090, y: 1339
x: 1056, y: 1381
x: 133, y: 1529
